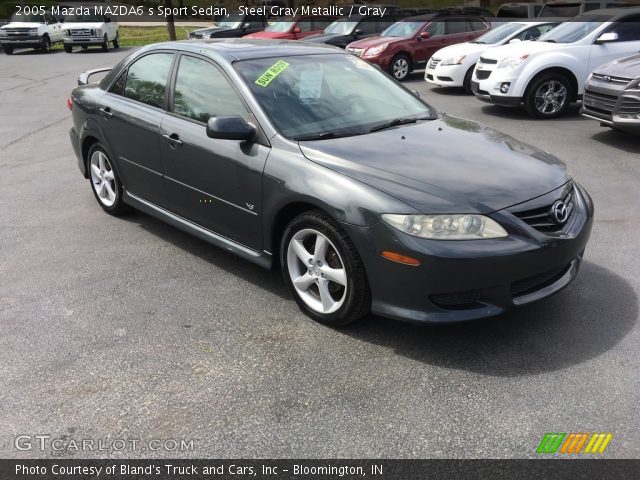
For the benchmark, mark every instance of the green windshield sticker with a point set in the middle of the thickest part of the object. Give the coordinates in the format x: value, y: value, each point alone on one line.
x: 273, y: 71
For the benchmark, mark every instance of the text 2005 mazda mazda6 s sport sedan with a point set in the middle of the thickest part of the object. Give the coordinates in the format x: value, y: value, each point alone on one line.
x: 311, y: 159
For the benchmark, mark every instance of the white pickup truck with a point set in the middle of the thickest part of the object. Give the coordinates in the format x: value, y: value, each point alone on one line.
x: 30, y: 31
x: 85, y: 30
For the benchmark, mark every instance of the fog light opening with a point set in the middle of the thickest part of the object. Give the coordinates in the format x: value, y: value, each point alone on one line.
x: 504, y: 87
x: 398, y: 258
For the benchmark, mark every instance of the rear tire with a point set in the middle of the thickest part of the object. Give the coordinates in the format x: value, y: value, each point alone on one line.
x: 116, y: 42
x: 8, y: 49
x: 548, y: 96
x: 105, y: 43
x: 105, y: 183
x: 68, y: 48
x: 400, y: 67
x: 323, y: 269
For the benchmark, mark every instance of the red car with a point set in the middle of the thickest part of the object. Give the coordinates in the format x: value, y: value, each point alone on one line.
x: 293, y: 28
x: 408, y: 44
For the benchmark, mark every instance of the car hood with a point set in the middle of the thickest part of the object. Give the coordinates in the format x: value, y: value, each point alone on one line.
x: 524, y: 48
x: 374, y: 41
x: 447, y: 165
x: 265, y: 34
x: 628, y: 67
x: 324, y: 38
x: 21, y: 25
x: 72, y: 25
x: 453, y: 51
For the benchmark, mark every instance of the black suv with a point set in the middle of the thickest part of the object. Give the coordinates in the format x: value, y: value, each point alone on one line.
x: 348, y: 29
x: 234, y: 24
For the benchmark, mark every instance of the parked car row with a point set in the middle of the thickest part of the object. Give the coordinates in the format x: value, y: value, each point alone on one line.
x: 554, y: 8
x: 42, y: 31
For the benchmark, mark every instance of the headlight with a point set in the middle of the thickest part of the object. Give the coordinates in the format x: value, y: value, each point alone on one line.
x: 453, y: 61
x: 373, y: 51
x: 511, y: 63
x: 447, y: 227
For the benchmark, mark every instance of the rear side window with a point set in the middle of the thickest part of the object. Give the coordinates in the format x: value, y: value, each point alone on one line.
x: 146, y: 79
x: 476, y: 25
x: 202, y: 92
x: 456, y: 26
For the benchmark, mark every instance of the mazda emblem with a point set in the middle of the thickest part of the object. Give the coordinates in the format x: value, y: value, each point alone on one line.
x: 560, y: 211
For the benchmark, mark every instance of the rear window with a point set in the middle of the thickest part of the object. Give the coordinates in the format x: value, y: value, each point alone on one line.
x: 512, y: 12
x: 560, y: 10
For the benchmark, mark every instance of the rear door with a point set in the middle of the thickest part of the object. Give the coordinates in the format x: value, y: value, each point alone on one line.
x: 130, y: 117
x: 214, y: 183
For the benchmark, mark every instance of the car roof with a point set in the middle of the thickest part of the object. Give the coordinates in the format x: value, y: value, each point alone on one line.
x: 610, y: 12
x: 234, y: 49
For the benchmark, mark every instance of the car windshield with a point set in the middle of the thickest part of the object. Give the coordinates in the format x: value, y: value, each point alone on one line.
x: 560, y: 10
x: 280, y: 25
x: 403, y: 29
x: 27, y: 18
x: 83, y: 18
x: 499, y: 33
x: 231, y: 20
x: 340, y: 27
x: 569, y: 32
x: 312, y: 97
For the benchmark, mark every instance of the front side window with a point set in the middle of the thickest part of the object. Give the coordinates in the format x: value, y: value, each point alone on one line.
x: 436, y: 29
x: 322, y: 96
x: 569, y: 32
x: 147, y: 77
x: 499, y: 33
x: 202, y: 92
x: 628, y: 30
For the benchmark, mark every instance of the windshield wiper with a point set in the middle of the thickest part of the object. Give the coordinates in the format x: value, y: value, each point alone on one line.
x: 397, y: 121
x: 326, y: 136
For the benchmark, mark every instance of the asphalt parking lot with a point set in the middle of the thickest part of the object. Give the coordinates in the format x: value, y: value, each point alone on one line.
x: 128, y: 328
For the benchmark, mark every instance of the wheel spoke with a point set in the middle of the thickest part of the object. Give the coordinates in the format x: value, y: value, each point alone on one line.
x: 101, y: 160
x: 303, y: 282
x: 320, y: 249
x: 110, y: 193
x: 325, y: 297
x: 102, y: 189
x: 95, y: 170
x: 302, y: 253
x: 336, y: 275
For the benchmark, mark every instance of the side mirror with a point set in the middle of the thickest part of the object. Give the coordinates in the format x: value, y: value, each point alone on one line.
x: 297, y: 30
x: 357, y: 32
x: 107, y: 19
x: 424, y: 35
x: 607, y: 38
x: 231, y: 127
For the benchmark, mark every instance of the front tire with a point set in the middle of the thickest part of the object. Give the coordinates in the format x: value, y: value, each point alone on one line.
x: 548, y: 96
x: 116, y: 41
x: 105, y: 182
x: 8, y: 49
x: 105, y: 43
x: 46, y: 44
x: 324, y: 271
x: 400, y: 67
x: 68, y: 48
x: 466, y: 83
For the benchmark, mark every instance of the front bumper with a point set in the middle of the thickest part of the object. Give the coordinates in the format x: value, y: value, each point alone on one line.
x: 445, y: 76
x: 22, y: 42
x: 487, y: 81
x: 465, y: 280
x: 612, y: 105
x: 83, y: 40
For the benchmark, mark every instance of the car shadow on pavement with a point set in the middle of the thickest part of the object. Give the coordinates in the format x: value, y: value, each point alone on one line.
x: 520, y: 114
x: 620, y: 140
x: 270, y: 280
x: 585, y: 320
x: 451, y: 92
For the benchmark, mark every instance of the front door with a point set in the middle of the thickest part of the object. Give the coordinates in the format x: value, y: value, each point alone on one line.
x: 214, y: 183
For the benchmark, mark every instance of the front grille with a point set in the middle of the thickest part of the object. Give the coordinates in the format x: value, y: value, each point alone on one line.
x: 543, y: 219
x: 620, y: 80
x: 629, y: 106
x: 17, y: 31
x: 433, y: 62
x: 356, y: 51
x: 599, y: 102
x: 488, y: 61
x: 482, y: 74
x: 82, y: 32
x: 457, y: 301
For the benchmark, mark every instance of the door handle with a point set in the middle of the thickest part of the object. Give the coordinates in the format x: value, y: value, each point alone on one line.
x: 173, y: 140
x: 105, y: 112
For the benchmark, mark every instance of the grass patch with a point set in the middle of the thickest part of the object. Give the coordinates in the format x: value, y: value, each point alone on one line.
x: 138, y: 36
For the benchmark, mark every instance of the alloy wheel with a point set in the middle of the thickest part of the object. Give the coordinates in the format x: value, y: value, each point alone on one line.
x: 103, y: 179
x: 317, y: 271
x: 550, y: 97
x: 400, y: 68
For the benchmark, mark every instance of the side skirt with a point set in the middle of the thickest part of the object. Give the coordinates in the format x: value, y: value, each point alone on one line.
x: 259, y: 258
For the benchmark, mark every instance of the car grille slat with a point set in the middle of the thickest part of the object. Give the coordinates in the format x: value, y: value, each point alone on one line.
x: 482, y: 74
x: 542, y: 218
x: 599, y: 102
x: 488, y: 61
x: 433, y: 63
x: 630, y: 106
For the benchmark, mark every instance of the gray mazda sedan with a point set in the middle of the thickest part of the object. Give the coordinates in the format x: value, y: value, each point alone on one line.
x: 309, y: 159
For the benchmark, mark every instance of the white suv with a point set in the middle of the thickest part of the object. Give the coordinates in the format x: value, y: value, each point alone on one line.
x: 85, y: 30
x: 30, y: 31
x: 453, y: 66
x: 550, y: 73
